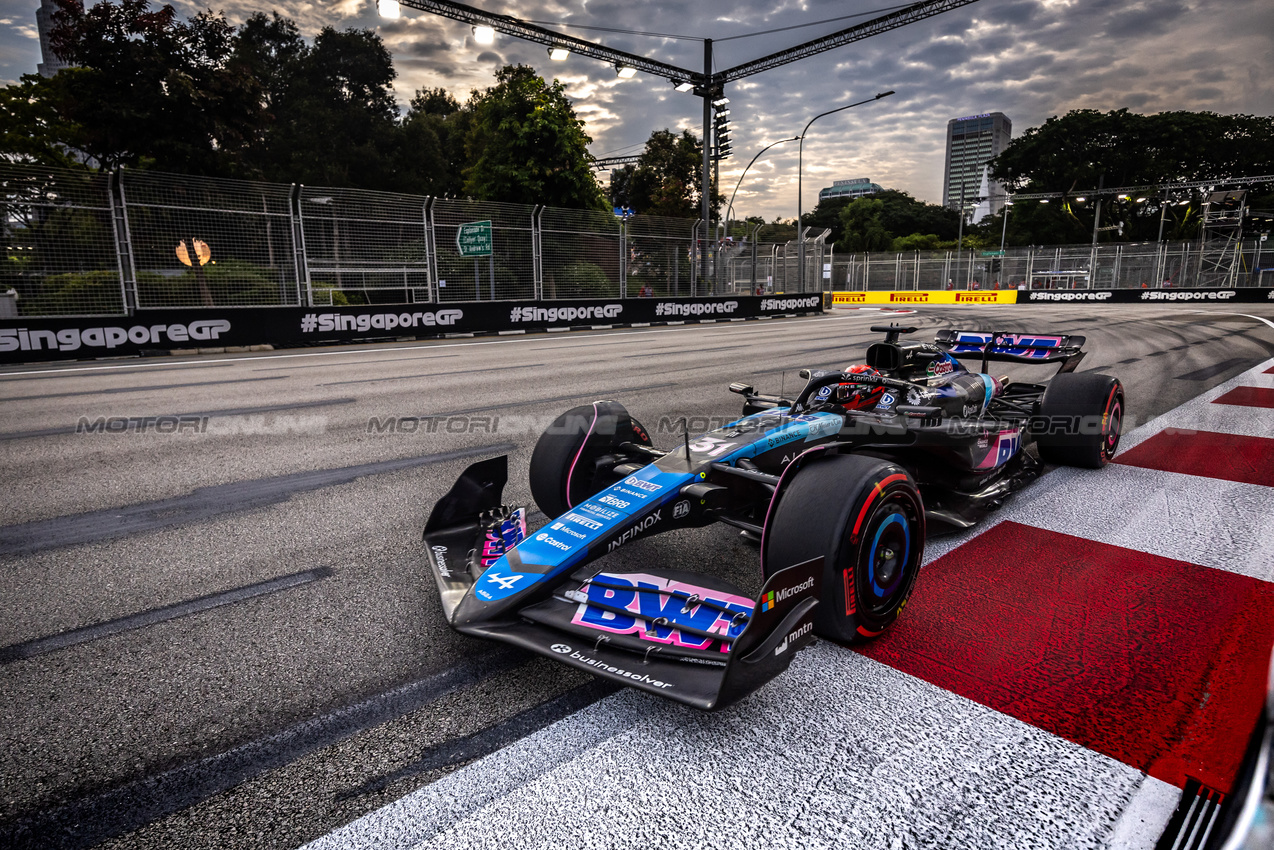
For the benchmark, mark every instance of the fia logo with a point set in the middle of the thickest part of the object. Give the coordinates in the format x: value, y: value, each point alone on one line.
x: 680, y: 509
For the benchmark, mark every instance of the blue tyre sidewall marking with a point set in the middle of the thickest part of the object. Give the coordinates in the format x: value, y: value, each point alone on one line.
x: 882, y: 592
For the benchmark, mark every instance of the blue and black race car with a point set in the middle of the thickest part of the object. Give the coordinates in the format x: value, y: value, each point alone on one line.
x: 838, y: 486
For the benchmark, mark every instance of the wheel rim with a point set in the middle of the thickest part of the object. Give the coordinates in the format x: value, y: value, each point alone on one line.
x: 1114, y: 425
x: 885, y: 557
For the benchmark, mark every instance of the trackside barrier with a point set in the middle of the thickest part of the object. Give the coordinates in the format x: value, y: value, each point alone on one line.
x: 1247, y: 295
x: 158, y: 331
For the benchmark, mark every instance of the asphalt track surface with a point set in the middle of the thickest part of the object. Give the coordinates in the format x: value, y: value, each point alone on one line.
x: 225, y: 635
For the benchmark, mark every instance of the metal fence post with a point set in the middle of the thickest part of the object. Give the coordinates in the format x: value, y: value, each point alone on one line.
x: 123, y: 242
x: 431, y: 250
x: 623, y: 258
x: 537, y: 253
x: 303, y: 269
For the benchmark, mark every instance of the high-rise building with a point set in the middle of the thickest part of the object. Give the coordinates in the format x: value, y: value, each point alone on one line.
x: 854, y: 188
x: 972, y: 142
x: 44, y: 24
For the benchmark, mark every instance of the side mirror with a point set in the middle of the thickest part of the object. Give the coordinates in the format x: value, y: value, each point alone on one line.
x: 742, y: 389
x: 805, y: 374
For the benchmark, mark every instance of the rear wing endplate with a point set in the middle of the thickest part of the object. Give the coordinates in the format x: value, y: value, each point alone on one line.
x: 1013, y: 348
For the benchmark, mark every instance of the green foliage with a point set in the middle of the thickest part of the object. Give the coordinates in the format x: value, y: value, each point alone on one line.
x: 583, y: 280
x: 827, y: 215
x: 1073, y: 151
x: 233, y: 283
x: 873, y: 222
x: 667, y: 179
x: 525, y: 145
x: 152, y: 88
x: 60, y: 294
x: 920, y: 242
x: 31, y: 127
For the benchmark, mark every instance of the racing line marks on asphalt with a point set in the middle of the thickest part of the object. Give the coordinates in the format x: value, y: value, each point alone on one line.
x: 433, y: 375
x: 90, y: 821
x: 203, y: 503
x: 493, y: 738
x: 1215, y: 369
x: 511, y: 404
x: 72, y: 637
x: 142, y: 389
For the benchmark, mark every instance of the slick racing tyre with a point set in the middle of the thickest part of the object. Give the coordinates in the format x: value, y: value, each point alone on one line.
x: 569, y: 461
x: 865, y: 517
x: 1080, y: 419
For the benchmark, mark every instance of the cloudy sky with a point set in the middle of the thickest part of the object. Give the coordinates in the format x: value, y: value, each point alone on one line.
x: 1029, y: 59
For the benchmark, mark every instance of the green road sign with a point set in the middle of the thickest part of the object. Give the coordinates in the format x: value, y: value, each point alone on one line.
x: 993, y: 253
x: 474, y: 239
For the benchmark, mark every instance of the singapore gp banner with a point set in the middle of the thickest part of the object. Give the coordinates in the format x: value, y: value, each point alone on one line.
x: 1246, y: 295
x: 155, y: 331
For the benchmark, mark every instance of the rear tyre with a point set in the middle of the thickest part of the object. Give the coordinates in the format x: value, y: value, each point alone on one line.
x: 866, y: 518
x: 569, y: 463
x: 1080, y: 420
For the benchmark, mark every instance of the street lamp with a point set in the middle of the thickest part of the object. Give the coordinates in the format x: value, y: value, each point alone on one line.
x: 1005, y: 229
x: 729, y: 208
x: 800, y: 162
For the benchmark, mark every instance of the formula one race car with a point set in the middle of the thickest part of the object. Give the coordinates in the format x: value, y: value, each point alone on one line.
x: 839, y: 485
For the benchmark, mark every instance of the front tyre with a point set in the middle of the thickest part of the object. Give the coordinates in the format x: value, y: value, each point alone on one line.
x: 1080, y: 420
x: 573, y: 457
x: 866, y: 518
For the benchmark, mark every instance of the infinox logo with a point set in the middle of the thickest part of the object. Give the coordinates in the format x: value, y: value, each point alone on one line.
x: 634, y: 531
x: 70, y: 339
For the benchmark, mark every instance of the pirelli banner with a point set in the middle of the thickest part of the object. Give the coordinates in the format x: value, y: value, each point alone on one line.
x: 1245, y: 295
x: 925, y: 296
x: 156, y: 331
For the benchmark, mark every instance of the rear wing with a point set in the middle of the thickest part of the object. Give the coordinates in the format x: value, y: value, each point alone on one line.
x: 1013, y: 348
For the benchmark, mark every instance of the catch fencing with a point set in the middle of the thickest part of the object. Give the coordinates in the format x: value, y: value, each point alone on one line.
x: 1180, y: 265
x: 81, y: 243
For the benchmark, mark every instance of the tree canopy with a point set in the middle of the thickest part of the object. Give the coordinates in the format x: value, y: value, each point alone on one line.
x: 1074, y: 151
x: 525, y: 144
x: 261, y: 101
x: 149, y: 87
x: 875, y: 222
x: 667, y: 179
